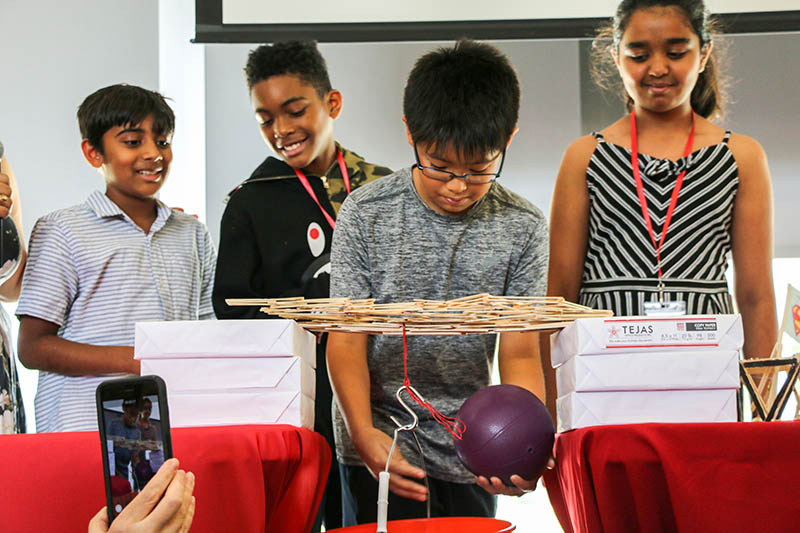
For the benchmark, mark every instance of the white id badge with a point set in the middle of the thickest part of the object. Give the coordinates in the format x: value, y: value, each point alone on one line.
x: 674, y: 308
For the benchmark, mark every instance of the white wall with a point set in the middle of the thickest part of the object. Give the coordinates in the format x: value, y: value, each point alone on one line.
x: 765, y: 104
x: 181, y: 78
x: 54, y: 54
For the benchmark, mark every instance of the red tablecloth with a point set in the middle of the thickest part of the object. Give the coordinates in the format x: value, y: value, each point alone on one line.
x: 678, y: 477
x: 249, y: 478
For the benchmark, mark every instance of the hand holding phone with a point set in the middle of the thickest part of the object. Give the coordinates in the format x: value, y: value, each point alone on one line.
x: 165, y: 505
x: 133, y: 419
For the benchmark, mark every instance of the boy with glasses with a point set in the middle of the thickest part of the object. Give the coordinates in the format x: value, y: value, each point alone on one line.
x: 442, y: 229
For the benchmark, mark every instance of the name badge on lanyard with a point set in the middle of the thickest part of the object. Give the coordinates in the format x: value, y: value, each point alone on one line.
x: 665, y: 309
x: 660, y: 307
x: 310, y: 191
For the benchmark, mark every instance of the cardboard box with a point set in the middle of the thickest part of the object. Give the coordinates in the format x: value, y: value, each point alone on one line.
x: 247, y: 406
x: 596, y: 336
x: 229, y: 373
x: 583, y: 409
x: 649, y: 370
x: 223, y: 338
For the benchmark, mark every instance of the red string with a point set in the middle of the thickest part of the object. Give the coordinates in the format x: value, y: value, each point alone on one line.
x: 454, y: 426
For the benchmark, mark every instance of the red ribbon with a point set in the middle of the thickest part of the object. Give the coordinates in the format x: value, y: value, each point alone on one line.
x: 307, y: 185
x: 640, y: 188
x: 454, y: 426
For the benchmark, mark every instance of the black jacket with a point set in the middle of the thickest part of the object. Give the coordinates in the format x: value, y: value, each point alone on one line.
x: 274, y: 240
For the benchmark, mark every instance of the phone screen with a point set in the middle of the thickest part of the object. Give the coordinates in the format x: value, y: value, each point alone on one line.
x: 135, y: 438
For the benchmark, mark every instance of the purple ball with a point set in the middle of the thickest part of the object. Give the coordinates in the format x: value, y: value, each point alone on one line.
x: 508, y: 431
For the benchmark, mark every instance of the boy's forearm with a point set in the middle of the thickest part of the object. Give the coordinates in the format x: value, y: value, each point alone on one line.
x: 519, y: 362
x: 349, y: 375
x: 42, y: 349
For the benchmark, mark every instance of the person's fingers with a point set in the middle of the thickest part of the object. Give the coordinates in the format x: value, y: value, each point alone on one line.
x: 99, y: 522
x: 190, y: 482
x: 483, y: 483
x: 166, y: 516
x: 6, y: 200
x: 551, y: 463
x: 149, y: 497
x: 408, y: 488
x: 494, y: 485
x: 502, y: 488
x: 404, y: 468
x: 187, y: 508
x: 408, y: 494
x: 187, y: 520
x: 525, y: 485
x: 6, y: 193
x: 178, y: 521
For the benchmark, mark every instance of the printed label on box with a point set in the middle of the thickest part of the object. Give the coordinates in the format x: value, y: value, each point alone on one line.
x: 663, y: 332
x: 597, y: 336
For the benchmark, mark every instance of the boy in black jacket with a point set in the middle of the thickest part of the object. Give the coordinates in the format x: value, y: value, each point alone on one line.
x: 275, y: 235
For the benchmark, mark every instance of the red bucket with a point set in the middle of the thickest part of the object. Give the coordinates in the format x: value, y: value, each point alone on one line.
x: 436, y: 525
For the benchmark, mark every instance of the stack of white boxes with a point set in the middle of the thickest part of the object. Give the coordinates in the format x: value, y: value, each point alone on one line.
x: 232, y: 371
x: 630, y: 370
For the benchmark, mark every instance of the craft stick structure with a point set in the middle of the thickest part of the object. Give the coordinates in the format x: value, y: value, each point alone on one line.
x: 479, y: 313
x: 765, y: 408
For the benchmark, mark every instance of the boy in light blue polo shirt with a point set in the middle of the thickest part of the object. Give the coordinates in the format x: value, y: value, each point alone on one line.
x: 121, y: 257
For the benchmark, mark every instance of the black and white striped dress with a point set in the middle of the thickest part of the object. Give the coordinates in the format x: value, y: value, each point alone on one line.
x: 621, y: 271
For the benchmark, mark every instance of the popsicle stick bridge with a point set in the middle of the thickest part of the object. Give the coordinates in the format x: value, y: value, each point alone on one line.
x: 478, y: 313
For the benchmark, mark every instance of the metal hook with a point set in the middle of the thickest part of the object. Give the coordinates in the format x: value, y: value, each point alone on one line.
x: 383, y: 478
x: 415, y: 419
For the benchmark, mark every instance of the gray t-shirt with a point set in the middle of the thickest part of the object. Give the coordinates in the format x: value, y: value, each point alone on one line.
x: 390, y: 246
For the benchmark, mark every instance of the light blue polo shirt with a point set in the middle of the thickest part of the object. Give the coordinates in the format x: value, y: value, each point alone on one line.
x: 95, y: 273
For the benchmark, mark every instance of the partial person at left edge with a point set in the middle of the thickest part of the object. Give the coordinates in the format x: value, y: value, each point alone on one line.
x: 12, y: 264
x: 121, y: 257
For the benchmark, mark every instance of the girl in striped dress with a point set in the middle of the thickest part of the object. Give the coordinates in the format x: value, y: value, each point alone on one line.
x: 646, y: 210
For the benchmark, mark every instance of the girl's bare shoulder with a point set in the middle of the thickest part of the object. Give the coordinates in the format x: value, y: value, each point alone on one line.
x: 578, y: 153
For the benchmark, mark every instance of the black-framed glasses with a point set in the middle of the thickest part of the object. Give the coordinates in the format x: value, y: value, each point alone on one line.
x: 471, y: 179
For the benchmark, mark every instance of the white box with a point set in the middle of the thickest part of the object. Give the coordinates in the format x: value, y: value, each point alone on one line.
x: 649, y: 370
x: 229, y: 373
x: 582, y: 409
x: 223, y: 338
x: 235, y: 407
x: 595, y: 336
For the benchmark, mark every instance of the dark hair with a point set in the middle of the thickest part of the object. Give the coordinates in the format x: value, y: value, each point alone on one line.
x: 465, y: 96
x: 300, y: 58
x: 708, y: 92
x: 122, y: 105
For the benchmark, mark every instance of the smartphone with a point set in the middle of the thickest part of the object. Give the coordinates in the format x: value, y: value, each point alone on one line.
x: 133, y: 419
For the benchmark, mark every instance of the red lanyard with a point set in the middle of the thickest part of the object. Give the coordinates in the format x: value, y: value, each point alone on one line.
x: 640, y: 188
x: 307, y: 185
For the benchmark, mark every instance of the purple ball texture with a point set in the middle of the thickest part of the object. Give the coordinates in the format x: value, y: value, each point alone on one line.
x: 508, y: 431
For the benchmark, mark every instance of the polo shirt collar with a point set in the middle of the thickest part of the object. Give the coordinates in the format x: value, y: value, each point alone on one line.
x: 105, y: 207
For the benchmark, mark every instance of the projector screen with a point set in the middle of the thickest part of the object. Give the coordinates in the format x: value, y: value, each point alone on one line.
x: 319, y: 11
x: 425, y: 20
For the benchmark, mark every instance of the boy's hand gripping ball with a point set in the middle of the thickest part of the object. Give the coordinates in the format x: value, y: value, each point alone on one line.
x: 508, y: 431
